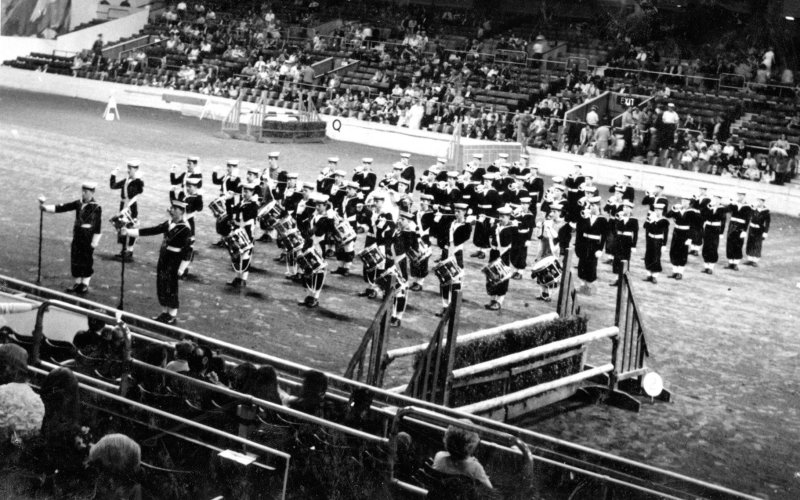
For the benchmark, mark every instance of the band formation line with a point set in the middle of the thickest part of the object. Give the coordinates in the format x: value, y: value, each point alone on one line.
x: 494, y: 208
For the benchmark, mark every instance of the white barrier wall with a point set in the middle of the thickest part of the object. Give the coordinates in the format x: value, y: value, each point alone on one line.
x: 12, y: 47
x: 781, y: 199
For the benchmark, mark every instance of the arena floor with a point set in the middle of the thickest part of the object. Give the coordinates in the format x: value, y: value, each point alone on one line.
x: 726, y: 345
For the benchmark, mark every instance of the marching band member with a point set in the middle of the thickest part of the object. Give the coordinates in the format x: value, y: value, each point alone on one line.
x: 424, y: 222
x: 757, y: 232
x: 427, y: 183
x: 130, y: 189
x: 681, y: 240
x: 452, y: 193
x: 194, y: 204
x: 406, y: 238
x: 624, y: 187
x: 713, y: 215
x: 85, y: 234
x: 320, y: 226
x: 302, y: 213
x: 177, y: 180
x: 486, y: 201
x: 626, y: 232
x: 656, y: 200
x: 276, y: 174
x: 247, y: 212
x: 365, y: 177
x: 455, y: 231
x: 697, y: 205
x: 229, y: 188
x: 502, y: 237
x: 592, y: 228
x: 514, y: 191
x: 737, y: 230
x: 176, y: 239
x: 325, y: 178
x: 475, y: 169
x: 379, y: 226
x: 391, y: 179
x: 534, y: 185
x: 253, y: 176
x: 348, y: 209
x: 554, y: 196
x: 526, y: 222
x: 612, y: 208
x: 407, y: 171
x: 656, y: 229
x: 573, y: 185
x: 290, y: 197
x: 554, y: 237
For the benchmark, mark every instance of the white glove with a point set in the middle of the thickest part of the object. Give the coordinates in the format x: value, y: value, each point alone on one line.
x: 742, y: 235
x: 481, y: 218
x: 470, y: 219
x: 598, y: 253
x: 764, y: 236
x: 688, y: 242
x: 633, y: 250
x: 96, y: 240
x: 114, y: 172
x: 173, y: 168
x: 437, y: 217
x: 42, y: 199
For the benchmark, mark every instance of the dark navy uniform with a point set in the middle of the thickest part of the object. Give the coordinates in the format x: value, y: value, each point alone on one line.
x: 626, y: 233
x: 176, y: 239
x: 88, y: 217
x: 737, y: 227
x: 656, y: 234
x: 756, y: 231
x: 594, y: 239
x: 713, y: 221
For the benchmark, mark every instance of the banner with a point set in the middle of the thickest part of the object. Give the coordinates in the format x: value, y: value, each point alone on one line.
x: 40, y: 18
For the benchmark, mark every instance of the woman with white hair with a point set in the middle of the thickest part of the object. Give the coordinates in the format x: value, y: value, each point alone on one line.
x: 458, y: 460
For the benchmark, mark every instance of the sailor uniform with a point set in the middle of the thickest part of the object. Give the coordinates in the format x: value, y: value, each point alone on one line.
x: 129, y: 192
x: 85, y: 236
x: 656, y: 234
x: 757, y: 230
x: 176, y: 239
x: 626, y: 233
x: 681, y: 239
x: 737, y: 229
x: 502, y: 238
x: 593, y: 236
x: 713, y: 221
x: 656, y: 202
x: 454, y: 236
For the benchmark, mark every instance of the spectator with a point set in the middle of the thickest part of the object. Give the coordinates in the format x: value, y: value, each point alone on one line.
x: 183, y: 350
x: 97, y: 50
x: 118, y: 459
x: 460, y: 445
x: 312, y: 394
x: 768, y: 59
x: 21, y: 409
x: 87, y: 339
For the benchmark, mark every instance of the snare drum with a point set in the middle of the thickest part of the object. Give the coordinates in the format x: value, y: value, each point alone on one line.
x: 292, y: 241
x: 547, y: 271
x: 268, y: 214
x: 448, y: 271
x: 285, y: 225
x: 311, y: 261
x: 343, y: 234
x: 217, y: 208
x: 372, y: 257
x: 386, y: 278
x: 417, y: 256
x: 497, y: 272
x: 238, y: 242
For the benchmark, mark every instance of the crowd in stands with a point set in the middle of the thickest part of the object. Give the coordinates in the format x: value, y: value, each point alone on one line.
x: 45, y: 429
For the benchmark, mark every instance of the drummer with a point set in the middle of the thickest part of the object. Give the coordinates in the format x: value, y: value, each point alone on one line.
x: 525, y: 221
x: 320, y: 226
x: 194, y: 204
x: 501, y: 238
x: 406, y: 240
x: 379, y: 226
x: 454, y: 231
x: 247, y: 211
x: 229, y: 189
x: 348, y: 209
x: 550, y: 243
x: 424, y: 221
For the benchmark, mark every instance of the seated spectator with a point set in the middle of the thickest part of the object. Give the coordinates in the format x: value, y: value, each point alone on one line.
x: 65, y: 443
x: 312, y: 394
x: 183, y: 350
x: 118, y: 460
x: 153, y: 355
x: 88, y: 339
x: 21, y: 409
x: 458, y: 460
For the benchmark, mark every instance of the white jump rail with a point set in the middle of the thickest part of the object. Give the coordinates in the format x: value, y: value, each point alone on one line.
x: 552, y: 347
x: 480, y: 334
x: 515, y: 397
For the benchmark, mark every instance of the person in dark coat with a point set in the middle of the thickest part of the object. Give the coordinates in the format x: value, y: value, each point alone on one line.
x: 740, y: 213
x: 626, y: 231
x: 85, y: 234
x: 681, y: 236
x: 177, y: 236
x: 593, y: 228
x: 713, y: 220
x: 656, y: 229
x: 453, y: 232
x: 502, y: 238
x: 757, y: 232
x: 130, y: 188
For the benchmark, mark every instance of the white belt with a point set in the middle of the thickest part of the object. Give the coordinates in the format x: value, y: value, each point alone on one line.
x: 174, y: 249
x: 659, y: 206
x: 573, y: 190
x: 626, y: 233
x: 592, y: 237
x: 682, y: 228
x: 656, y: 236
x: 754, y: 226
x: 717, y: 223
x: 484, y: 206
x: 523, y: 231
x: 736, y: 219
x: 86, y: 226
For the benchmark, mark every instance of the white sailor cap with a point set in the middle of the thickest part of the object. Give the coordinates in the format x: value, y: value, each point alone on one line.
x: 452, y: 173
x: 490, y: 176
x: 558, y: 179
x: 291, y: 175
x: 233, y: 163
x: 358, y: 169
x: 318, y: 197
x: 333, y: 159
x: 193, y: 159
x: 354, y: 185
x: 274, y: 154
x: 460, y: 206
x: 250, y: 186
x: 441, y: 160
x: 525, y: 199
x: 254, y: 170
x: 503, y: 156
x: 308, y: 185
x: 133, y: 163
x: 178, y: 204
x: 627, y: 203
x: 91, y: 186
x: 405, y: 155
x: 504, y: 210
x: 478, y: 156
x: 594, y: 200
x: 366, y: 160
x: 340, y: 173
